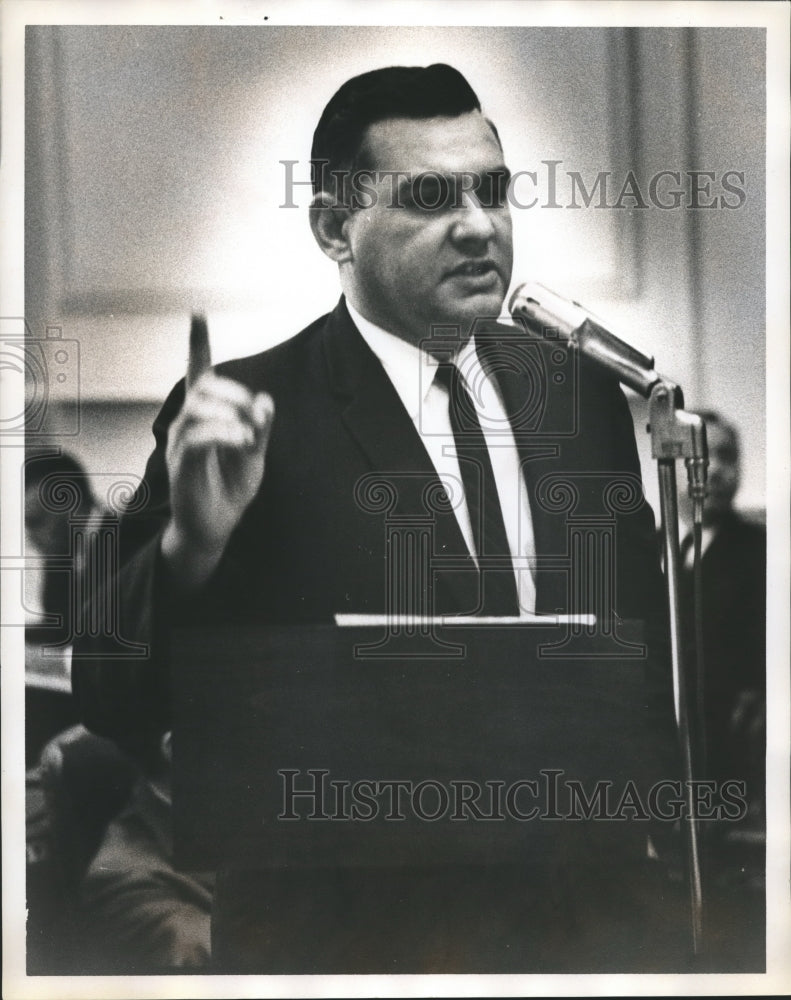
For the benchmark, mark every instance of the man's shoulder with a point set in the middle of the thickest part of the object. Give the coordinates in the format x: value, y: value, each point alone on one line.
x: 745, y: 530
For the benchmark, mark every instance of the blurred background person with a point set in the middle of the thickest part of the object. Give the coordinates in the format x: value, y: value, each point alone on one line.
x: 57, y: 490
x: 142, y: 915
x: 131, y: 911
x: 733, y: 570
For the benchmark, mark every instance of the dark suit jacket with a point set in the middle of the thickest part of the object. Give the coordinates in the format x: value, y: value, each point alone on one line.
x: 313, y: 543
x: 733, y: 570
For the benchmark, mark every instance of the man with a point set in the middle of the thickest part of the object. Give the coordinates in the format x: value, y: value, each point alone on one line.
x: 57, y: 488
x: 255, y: 513
x: 141, y: 914
x: 733, y: 568
x: 732, y: 627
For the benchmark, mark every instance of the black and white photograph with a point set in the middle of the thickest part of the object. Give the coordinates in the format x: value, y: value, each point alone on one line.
x: 394, y: 447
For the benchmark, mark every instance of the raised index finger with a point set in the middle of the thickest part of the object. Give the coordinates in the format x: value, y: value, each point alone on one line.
x: 199, y: 350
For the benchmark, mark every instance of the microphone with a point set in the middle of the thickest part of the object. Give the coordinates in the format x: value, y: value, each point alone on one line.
x: 542, y: 310
x: 675, y: 433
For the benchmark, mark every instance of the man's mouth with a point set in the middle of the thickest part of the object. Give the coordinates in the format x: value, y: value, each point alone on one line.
x: 474, y: 269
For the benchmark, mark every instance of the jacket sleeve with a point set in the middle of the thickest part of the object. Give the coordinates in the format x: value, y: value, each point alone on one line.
x: 119, y: 677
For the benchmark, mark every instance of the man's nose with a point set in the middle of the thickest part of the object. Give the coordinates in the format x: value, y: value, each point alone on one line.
x: 472, y: 221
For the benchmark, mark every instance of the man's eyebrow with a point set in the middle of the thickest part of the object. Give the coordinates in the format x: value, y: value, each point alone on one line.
x: 416, y: 176
x: 409, y: 179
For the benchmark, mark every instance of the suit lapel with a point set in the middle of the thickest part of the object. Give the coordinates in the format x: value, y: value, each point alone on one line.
x: 541, y: 410
x: 375, y: 417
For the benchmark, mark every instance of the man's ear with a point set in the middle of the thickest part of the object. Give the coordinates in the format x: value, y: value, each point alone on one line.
x: 328, y: 222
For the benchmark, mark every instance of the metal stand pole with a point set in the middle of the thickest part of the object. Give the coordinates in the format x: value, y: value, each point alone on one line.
x: 669, y: 507
x: 674, y: 434
x: 678, y: 434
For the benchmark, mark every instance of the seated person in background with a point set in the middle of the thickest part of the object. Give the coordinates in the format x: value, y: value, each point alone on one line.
x: 733, y: 568
x: 57, y: 488
x: 141, y: 915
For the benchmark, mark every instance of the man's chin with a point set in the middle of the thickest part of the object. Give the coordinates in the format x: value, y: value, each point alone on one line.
x: 467, y: 310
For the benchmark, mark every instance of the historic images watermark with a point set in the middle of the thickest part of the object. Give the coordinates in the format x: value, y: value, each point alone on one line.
x: 550, y: 186
x: 551, y: 795
x: 50, y: 369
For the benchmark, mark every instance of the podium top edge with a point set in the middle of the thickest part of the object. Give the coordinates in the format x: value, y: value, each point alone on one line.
x: 362, y: 621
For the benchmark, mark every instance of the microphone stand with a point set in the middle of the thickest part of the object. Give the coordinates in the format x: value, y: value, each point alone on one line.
x: 674, y: 434
x: 678, y: 434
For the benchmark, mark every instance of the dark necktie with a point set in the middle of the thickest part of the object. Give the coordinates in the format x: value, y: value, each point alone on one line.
x: 488, y: 529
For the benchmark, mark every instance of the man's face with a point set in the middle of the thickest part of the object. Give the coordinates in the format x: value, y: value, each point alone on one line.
x: 723, y: 471
x: 414, y: 266
x: 47, y: 529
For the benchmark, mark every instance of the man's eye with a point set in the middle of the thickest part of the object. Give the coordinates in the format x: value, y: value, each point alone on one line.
x: 492, y: 192
x: 429, y: 192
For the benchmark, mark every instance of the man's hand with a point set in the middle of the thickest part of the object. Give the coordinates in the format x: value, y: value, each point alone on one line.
x: 215, y: 461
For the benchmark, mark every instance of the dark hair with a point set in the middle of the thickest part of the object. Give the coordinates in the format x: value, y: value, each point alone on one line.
x: 391, y: 92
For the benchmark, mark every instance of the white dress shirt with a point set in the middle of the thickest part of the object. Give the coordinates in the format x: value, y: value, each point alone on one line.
x: 412, y: 372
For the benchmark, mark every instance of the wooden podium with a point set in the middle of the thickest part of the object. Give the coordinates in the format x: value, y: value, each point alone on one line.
x: 384, y: 801
x: 283, y: 737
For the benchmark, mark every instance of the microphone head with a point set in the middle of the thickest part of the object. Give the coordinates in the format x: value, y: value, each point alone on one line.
x: 541, y: 310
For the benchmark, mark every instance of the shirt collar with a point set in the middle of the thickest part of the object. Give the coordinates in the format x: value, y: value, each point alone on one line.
x: 409, y: 369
